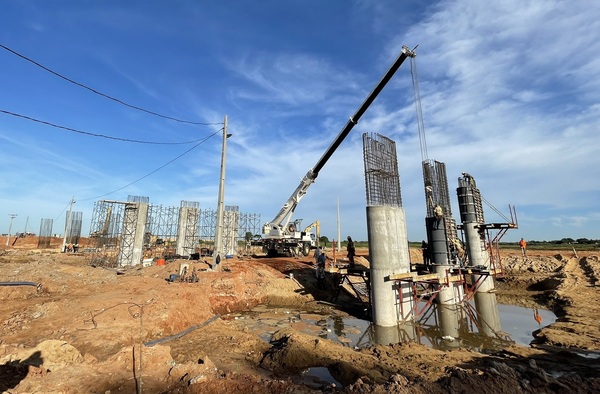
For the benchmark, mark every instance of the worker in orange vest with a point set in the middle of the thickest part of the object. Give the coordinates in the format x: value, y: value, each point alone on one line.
x: 523, y: 245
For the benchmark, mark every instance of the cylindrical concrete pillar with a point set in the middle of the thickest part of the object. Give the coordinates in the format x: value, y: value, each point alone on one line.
x: 438, y: 247
x: 388, y: 250
x: 478, y: 255
x: 487, y: 309
x: 447, y: 293
x: 449, y: 318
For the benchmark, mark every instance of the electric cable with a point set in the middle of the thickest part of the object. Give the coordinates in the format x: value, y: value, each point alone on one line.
x: 156, y: 170
x: 103, y: 94
x: 64, y: 209
x: 95, y: 134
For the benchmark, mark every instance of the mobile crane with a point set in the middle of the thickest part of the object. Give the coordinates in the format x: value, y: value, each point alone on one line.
x: 281, y: 235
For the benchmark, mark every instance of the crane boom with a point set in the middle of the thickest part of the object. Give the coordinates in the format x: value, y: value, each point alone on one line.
x: 278, y: 226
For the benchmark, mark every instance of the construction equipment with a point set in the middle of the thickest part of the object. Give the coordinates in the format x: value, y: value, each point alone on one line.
x: 317, y: 226
x: 280, y: 234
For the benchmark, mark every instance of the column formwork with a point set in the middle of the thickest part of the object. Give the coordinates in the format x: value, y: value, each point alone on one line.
x: 471, y: 214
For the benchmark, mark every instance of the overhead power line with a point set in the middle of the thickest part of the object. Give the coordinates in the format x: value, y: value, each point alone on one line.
x: 95, y: 134
x: 156, y: 170
x: 103, y: 94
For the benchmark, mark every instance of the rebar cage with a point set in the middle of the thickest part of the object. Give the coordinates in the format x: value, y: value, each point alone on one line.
x: 381, y: 171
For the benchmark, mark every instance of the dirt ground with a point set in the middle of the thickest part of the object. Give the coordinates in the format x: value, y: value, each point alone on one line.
x: 95, y: 330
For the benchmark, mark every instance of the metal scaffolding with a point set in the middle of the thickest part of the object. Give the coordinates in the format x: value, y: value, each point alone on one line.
x: 249, y: 223
x: 208, y: 223
x: 115, y: 230
x: 381, y: 171
x: 106, y: 223
x: 162, y: 223
x: 169, y: 231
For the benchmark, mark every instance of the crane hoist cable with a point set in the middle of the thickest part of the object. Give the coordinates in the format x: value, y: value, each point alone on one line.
x: 417, y: 100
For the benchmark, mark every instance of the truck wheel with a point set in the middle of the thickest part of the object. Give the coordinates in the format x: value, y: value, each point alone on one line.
x: 272, y: 253
x: 306, y: 249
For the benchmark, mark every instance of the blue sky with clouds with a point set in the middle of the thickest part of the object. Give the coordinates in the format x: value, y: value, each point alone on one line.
x: 509, y: 94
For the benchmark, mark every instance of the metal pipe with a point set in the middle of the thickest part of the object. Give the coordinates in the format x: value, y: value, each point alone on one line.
x: 34, y: 284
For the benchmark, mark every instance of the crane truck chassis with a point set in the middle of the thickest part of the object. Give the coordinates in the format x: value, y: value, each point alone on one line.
x: 281, y: 235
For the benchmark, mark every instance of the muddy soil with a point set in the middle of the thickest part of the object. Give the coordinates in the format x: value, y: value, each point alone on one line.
x: 95, y: 330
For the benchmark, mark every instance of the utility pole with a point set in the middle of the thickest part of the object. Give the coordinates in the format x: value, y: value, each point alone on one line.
x: 338, y: 225
x: 12, y: 216
x: 218, y: 248
x: 68, y: 223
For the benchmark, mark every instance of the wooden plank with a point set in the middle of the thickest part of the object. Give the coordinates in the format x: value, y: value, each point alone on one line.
x: 403, y: 275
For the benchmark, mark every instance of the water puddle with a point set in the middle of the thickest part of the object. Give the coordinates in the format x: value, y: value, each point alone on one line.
x: 482, y: 325
x: 317, y: 377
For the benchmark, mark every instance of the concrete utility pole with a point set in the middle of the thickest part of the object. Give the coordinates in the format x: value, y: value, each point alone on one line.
x: 218, y: 249
x: 68, y: 224
x: 12, y: 216
x: 338, y: 226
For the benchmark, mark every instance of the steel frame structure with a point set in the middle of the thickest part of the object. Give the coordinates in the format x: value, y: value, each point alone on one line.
x: 425, y: 288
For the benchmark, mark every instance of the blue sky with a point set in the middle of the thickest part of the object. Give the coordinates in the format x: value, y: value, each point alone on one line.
x: 509, y: 94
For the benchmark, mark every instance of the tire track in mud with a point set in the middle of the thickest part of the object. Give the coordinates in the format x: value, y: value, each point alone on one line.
x: 579, y: 300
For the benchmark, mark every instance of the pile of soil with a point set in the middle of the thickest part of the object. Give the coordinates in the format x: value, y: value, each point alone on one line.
x: 95, y: 330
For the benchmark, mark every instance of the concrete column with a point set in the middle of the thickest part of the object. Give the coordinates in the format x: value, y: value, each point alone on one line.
x: 385, y: 335
x: 135, y: 216
x: 439, y: 254
x: 487, y: 309
x: 449, y: 318
x: 388, y: 250
x: 184, y: 243
x: 478, y: 255
x: 138, y: 244
x: 402, y: 332
x: 475, y: 240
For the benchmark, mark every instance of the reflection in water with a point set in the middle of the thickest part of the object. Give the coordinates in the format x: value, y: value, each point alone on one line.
x: 338, y: 325
x: 487, y: 313
x: 473, y: 325
x: 451, y: 326
x: 537, y: 317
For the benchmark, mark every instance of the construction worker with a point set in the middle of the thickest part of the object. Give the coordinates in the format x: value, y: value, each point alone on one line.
x: 316, y: 255
x: 320, y: 272
x: 425, y: 250
x: 351, y: 251
x: 523, y: 245
x: 439, y: 214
